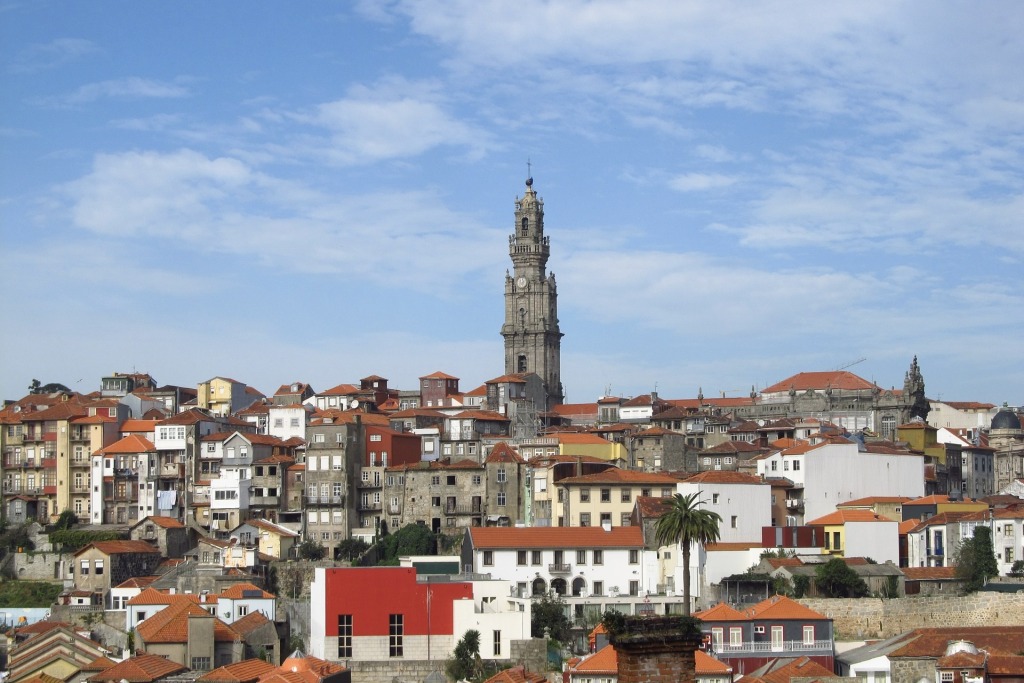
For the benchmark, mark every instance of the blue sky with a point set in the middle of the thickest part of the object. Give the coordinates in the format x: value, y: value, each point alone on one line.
x: 734, y: 192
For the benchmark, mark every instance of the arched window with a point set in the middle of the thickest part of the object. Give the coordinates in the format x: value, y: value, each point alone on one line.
x: 579, y: 586
x: 540, y: 587
x: 525, y: 230
x: 558, y: 585
x: 522, y: 364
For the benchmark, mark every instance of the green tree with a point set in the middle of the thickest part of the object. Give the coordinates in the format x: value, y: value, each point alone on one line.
x: 311, y: 550
x: 352, y: 548
x: 835, y: 579
x: 976, y: 559
x: 685, y: 523
x: 801, y: 584
x: 551, y: 613
x: 66, y: 520
x: 411, y: 539
x: 465, y: 663
x: 1017, y: 569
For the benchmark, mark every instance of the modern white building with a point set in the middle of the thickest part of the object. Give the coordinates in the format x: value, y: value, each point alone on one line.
x: 593, y: 569
x: 833, y: 473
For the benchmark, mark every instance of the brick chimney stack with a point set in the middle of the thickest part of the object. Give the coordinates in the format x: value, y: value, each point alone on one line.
x: 656, y: 650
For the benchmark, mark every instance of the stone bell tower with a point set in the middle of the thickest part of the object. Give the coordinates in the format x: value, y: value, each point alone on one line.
x: 532, y: 339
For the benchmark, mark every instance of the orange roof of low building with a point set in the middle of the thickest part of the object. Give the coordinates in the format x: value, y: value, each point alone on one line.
x: 804, y: 668
x: 615, y: 475
x: 782, y: 607
x: 133, y: 443
x: 517, y: 674
x: 246, y: 671
x: 164, y: 522
x: 170, y: 625
x: 237, y: 592
x: 120, y: 547
x: 844, y: 516
x: 873, y: 500
x: 706, y: 665
x: 556, y: 537
x: 137, y: 425
x: 724, y: 477
x: 721, y: 612
x: 604, y: 661
x: 143, y: 668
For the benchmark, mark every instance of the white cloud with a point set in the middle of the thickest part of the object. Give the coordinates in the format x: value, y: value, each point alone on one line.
x: 392, y: 120
x: 223, y: 206
x: 56, y: 53
x: 132, y: 87
x: 692, y: 182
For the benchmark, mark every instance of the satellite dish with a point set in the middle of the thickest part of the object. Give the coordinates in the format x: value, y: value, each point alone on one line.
x: 355, y: 404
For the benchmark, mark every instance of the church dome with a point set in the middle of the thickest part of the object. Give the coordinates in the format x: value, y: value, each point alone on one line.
x: 1005, y: 419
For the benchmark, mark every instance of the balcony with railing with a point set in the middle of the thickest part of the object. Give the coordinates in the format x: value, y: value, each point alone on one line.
x: 561, y: 568
x: 463, y: 508
x: 366, y: 505
x: 331, y: 500
x: 755, y: 648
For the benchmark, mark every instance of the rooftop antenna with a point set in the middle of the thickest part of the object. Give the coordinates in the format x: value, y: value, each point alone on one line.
x: 529, y: 168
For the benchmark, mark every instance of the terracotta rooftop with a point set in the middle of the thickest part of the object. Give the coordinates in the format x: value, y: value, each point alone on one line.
x: 724, y: 477
x: 120, y: 547
x: 819, y: 381
x: 133, y: 443
x: 844, y: 516
x: 604, y: 661
x: 705, y: 664
x: 517, y: 674
x: 143, y: 668
x: 503, y: 453
x: 246, y: 671
x: 721, y: 612
x: 782, y: 607
x: 932, y: 642
x: 615, y: 475
x: 170, y: 625
x: 164, y: 522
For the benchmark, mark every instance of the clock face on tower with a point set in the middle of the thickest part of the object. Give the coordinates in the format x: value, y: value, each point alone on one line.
x: 521, y: 282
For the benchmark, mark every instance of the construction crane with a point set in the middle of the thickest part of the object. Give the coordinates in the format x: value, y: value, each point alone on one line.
x: 850, y: 365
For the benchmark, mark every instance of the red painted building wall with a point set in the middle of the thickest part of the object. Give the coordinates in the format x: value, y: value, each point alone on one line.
x: 372, y: 594
x: 402, y: 449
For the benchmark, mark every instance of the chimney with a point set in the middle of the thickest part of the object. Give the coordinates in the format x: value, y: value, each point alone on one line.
x: 656, y: 649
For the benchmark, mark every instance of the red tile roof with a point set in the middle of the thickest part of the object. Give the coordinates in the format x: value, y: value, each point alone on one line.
x: 707, y: 665
x: 556, y: 537
x: 503, y: 453
x: 844, y: 516
x: 140, y: 669
x: 724, y: 477
x: 614, y: 475
x: 604, y: 661
x: 120, y: 547
x: 133, y: 443
x: 835, y: 379
x: 721, y: 612
x: 170, y: 625
x: 236, y: 592
x: 246, y: 671
x: 782, y: 607
x: 517, y: 674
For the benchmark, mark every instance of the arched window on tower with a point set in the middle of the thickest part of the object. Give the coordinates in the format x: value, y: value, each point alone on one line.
x: 522, y: 363
x: 525, y: 230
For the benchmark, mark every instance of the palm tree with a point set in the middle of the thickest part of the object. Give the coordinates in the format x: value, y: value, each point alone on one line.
x: 684, y: 523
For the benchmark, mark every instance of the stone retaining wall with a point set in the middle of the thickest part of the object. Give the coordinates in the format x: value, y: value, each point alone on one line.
x: 867, y: 618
